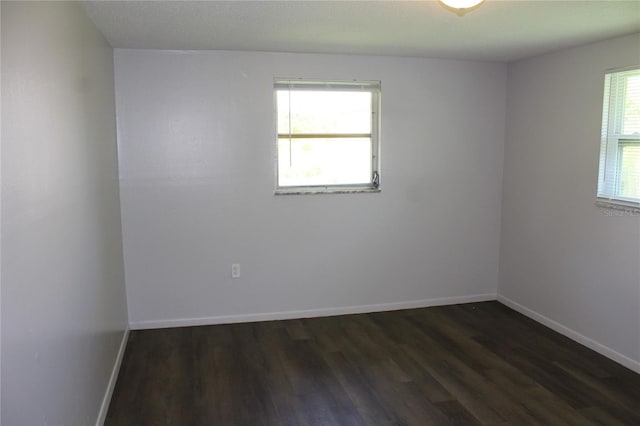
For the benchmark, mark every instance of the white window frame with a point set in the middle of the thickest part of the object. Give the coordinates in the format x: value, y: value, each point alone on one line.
x: 611, y: 142
x: 374, y: 87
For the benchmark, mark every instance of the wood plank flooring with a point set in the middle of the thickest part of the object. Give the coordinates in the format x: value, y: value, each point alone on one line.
x: 478, y: 363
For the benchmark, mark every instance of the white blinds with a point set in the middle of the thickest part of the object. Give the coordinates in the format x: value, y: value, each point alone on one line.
x: 631, y: 115
x: 619, y: 173
x: 343, y: 86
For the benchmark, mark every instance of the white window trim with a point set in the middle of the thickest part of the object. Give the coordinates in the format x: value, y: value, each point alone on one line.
x: 609, y: 145
x: 373, y: 86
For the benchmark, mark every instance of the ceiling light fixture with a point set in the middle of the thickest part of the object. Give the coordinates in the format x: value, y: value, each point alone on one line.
x: 461, y: 6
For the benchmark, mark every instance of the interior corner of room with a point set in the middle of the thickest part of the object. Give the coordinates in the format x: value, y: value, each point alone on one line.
x: 138, y: 186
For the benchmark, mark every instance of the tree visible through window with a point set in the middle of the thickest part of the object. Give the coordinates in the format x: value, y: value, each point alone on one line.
x: 327, y: 135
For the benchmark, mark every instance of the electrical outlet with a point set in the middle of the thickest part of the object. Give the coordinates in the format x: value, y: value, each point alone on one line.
x: 235, y: 270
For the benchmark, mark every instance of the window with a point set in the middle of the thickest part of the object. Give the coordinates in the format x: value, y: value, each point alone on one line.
x: 619, y: 174
x: 327, y: 137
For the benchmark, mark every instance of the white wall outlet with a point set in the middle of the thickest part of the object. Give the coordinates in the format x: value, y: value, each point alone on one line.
x: 235, y: 270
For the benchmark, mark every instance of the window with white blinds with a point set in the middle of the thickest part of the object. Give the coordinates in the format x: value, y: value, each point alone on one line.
x: 327, y: 136
x: 619, y: 173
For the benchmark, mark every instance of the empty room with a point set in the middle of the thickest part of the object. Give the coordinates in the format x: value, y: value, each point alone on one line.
x: 320, y: 213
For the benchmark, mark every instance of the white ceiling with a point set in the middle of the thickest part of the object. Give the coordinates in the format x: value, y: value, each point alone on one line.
x: 498, y: 30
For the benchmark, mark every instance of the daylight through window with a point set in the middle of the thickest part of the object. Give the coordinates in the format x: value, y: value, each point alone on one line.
x: 619, y: 175
x: 327, y: 136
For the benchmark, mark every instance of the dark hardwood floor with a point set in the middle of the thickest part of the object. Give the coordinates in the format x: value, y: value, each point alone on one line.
x: 479, y: 363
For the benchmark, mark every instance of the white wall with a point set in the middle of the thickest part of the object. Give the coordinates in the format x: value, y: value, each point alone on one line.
x: 196, y: 143
x: 0, y: 220
x: 63, y: 297
x: 565, y: 261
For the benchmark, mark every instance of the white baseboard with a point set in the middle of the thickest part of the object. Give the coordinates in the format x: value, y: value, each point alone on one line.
x: 310, y: 313
x: 572, y: 334
x: 102, y: 415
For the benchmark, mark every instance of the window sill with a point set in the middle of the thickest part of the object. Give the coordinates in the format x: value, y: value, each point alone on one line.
x: 631, y: 208
x: 325, y: 190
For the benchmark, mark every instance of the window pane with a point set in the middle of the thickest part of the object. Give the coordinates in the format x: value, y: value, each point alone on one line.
x: 619, y: 170
x: 630, y: 170
x: 631, y: 119
x: 323, y: 112
x: 332, y: 161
